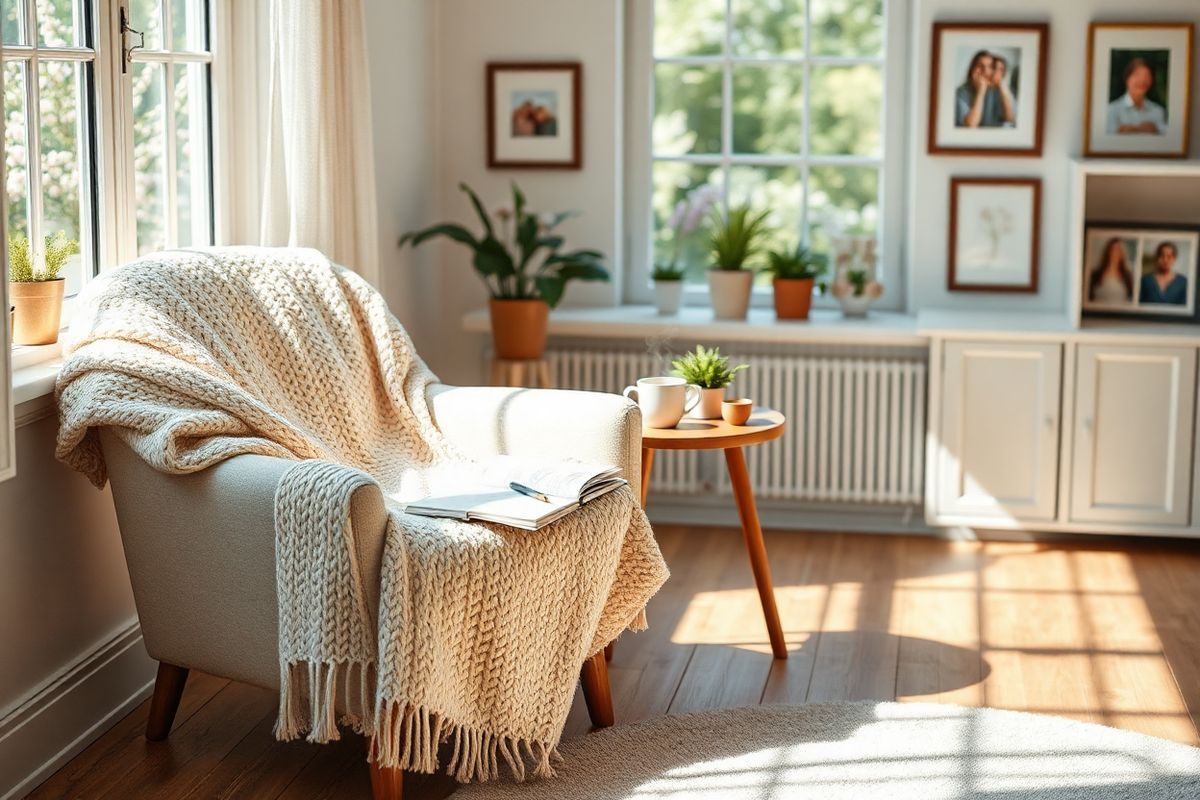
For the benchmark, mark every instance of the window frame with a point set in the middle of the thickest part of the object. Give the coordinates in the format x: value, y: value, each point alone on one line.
x: 639, y: 113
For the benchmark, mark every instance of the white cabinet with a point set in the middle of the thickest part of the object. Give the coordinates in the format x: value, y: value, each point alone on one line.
x: 996, y: 454
x: 1132, y: 452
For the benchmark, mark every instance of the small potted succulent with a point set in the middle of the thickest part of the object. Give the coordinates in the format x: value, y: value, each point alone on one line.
x: 709, y: 370
x: 517, y: 257
x: 855, y: 286
x: 684, y: 220
x: 37, y: 295
x: 794, y: 274
x: 735, y: 238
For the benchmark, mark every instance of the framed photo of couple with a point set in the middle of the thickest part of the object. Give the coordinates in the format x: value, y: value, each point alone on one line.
x: 534, y: 115
x: 1138, y: 99
x: 1140, y: 270
x: 987, y: 92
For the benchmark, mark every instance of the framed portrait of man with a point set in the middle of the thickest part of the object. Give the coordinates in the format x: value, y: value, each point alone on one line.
x: 987, y: 88
x: 1138, y: 98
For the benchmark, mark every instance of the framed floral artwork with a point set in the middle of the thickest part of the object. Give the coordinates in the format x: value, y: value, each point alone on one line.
x: 995, y: 227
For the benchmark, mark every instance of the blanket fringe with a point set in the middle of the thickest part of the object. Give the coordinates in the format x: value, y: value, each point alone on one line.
x: 408, y: 737
x: 639, y: 623
x: 310, y: 694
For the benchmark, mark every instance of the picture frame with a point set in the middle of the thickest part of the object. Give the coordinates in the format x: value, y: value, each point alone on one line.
x: 1138, y: 91
x: 535, y: 115
x: 1140, y: 269
x: 987, y: 88
x: 995, y: 234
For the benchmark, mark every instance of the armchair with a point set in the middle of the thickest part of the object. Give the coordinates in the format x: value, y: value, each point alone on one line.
x: 201, y: 547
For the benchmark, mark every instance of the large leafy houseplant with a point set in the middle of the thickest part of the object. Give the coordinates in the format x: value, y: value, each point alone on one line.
x: 37, y: 294
x: 735, y: 237
x: 519, y: 257
x: 794, y: 273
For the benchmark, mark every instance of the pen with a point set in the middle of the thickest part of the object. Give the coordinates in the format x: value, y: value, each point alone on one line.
x: 525, y: 490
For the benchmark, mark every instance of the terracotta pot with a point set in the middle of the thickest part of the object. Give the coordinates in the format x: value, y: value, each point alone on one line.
x: 709, y: 406
x: 729, y: 292
x: 793, y: 297
x: 519, y: 327
x: 38, y: 313
x: 737, y: 412
x: 667, y: 295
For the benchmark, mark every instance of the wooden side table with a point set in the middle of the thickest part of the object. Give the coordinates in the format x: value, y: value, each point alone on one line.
x: 764, y: 425
x: 531, y: 373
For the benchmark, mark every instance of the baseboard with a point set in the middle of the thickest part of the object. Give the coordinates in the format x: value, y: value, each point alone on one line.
x: 72, y: 709
x: 720, y: 510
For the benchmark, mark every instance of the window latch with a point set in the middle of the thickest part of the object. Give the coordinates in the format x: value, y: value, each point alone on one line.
x: 127, y: 52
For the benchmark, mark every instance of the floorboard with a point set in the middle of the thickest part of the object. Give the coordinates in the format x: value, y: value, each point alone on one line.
x: 1099, y: 630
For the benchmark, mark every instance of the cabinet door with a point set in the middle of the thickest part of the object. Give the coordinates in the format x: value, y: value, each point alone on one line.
x: 1133, y: 434
x: 998, y: 449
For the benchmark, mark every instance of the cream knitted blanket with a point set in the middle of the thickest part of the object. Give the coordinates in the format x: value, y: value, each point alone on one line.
x: 196, y: 356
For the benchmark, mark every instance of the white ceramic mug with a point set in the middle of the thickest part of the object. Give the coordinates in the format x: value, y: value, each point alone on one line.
x: 663, y: 401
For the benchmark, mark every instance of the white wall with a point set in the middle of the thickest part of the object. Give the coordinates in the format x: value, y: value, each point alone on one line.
x: 929, y: 176
x: 471, y: 33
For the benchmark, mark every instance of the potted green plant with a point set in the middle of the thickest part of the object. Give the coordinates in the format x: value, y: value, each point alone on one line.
x: 684, y: 220
x: 37, y: 295
x: 855, y: 286
x: 794, y: 274
x: 709, y: 370
x: 520, y: 263
x: 734, y: 239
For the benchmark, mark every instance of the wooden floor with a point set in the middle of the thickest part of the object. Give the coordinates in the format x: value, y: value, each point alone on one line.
x: 1106, y: 632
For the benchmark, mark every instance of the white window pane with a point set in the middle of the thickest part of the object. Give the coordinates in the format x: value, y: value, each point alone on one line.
x: 846, y: 110
x: 768, y: 109
x: 146, y: 16
x: 768, y: 28
x: 673, y: 180
x: 149, y: 156
x: 777, y: 189
x: 12, y: 21
x: 847, y: 27
x: 841, y: 201
x: 16, y: 160
x: 57, y: 25
x: 191, y: 154
x: 687, y: 109
x: 187, y: 25
x: 60, y: 85
x: 689, y: 27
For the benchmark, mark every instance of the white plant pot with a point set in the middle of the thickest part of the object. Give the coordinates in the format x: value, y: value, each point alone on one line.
x: 729, y: 292
x: 709, y: 406
x: 667, y: 295
x: 855, y: 305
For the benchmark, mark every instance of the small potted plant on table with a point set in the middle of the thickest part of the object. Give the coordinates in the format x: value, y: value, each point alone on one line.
x: 735, y: 238
x: 795, y: 273
x: 519, y: 261
x: 37, y: 296
x: 685, y: 219
x: 709, y: 370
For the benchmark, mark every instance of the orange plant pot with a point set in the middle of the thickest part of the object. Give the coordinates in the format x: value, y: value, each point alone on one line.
x: 38, y: 311
x: 519, y: 328
x: 793, y: 297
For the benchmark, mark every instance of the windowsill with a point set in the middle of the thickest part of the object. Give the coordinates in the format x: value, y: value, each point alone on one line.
x: 825, y: 326
x: 34, y: 371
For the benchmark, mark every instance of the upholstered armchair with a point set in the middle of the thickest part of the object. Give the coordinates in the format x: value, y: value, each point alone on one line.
x: 201, y: 547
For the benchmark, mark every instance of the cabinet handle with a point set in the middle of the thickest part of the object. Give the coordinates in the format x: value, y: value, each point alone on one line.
x: 1050, y: 420
x: 1087, y: 424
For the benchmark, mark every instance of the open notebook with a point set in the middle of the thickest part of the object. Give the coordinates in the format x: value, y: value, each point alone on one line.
x: 480, y: 491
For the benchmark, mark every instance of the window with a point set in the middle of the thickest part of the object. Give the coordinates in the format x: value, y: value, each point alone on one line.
x: 779, y: 103
x: 80, y: 118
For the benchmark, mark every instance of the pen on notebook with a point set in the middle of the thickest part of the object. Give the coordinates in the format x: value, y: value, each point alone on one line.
x: 525, y: 490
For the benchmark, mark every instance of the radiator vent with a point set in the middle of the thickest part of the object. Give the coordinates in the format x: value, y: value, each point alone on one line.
x: 856, y: 426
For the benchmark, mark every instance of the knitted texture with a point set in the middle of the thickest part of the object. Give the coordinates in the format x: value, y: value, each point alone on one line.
x: 193, y: 357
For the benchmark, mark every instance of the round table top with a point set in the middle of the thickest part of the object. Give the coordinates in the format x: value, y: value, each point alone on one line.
x: 764, y: 425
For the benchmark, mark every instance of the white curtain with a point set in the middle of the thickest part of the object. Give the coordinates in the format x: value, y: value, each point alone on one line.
x: 319, y: 185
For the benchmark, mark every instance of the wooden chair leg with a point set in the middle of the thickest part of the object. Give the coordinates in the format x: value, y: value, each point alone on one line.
x: 386, y: 783
x: 168, y: 689
x: 596, y: 691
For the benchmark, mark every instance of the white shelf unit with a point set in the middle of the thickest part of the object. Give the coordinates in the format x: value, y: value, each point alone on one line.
x: 1125, y: 190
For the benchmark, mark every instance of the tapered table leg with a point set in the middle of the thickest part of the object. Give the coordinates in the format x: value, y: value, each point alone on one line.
x: 752, y: 533
x: 647, y: 463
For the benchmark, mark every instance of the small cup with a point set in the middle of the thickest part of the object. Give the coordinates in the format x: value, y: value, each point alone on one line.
x: 663, y: 400
x: 737, y: 412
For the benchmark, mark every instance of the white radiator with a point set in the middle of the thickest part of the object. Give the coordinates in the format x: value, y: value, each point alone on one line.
x: 856, y: 426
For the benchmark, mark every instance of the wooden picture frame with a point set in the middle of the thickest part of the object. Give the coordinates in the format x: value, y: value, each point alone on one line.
x: 946, y: 134
x: 1141, y: 39
x: 1021, y: 277
x: 534, y: 115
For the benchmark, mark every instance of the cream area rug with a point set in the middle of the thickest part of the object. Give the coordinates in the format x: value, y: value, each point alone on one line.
x: 859, y: 751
